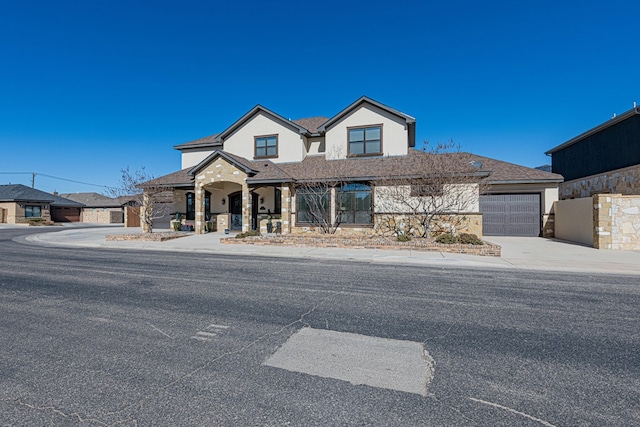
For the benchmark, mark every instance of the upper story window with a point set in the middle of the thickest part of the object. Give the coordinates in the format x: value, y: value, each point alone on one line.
x: 365, y: 141
x: 266, y: 146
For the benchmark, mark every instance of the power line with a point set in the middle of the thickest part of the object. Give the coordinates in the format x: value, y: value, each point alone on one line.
x: 33, y: 175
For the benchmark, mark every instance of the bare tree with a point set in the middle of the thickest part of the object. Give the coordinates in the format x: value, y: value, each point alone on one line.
x: 155, y: 201
x: 435, y: 192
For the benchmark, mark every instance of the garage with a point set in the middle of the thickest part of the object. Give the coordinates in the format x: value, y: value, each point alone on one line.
x: 65, y: 214
x: 511, y: 215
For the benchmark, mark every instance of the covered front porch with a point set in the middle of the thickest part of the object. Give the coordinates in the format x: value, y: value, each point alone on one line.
x: 222, y: 199
x: 227, y: 206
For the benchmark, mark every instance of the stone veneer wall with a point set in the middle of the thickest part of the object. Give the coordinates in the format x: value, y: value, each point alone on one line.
x: 471, y: 223
x: 103, y: 217
x: 617, y: 222
x: 624, y: 181
x: 221, y: 171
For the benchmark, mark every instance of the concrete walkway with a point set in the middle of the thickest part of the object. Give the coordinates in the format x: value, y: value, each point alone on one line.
x: 529, y: 253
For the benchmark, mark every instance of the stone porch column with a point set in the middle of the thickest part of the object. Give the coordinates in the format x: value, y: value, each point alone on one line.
x: 146, y: 200
x: 200, y: 218
x: 285, y: 205
x: 246, y: 208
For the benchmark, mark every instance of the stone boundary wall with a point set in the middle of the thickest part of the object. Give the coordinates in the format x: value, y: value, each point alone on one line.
x: 103, y: 217
x: 366, y: 242
x: 617, y: 222
x: 624, y: 181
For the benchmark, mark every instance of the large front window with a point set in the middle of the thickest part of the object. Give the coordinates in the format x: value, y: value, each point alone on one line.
x: 314, y: 205
x: 266, y: 146
x: 354, y: 204
x: 365, y: 141
x: 32, y: 211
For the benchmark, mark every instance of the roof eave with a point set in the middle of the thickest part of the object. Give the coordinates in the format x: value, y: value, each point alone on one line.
x: 201, y: 145
x: 269, y: 181
x: 526, y: 181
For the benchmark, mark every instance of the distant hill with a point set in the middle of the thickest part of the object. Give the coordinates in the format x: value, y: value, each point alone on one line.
x: 545, y: 168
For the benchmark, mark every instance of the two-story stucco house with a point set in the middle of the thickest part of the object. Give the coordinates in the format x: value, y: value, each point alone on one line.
x: 261, y: 166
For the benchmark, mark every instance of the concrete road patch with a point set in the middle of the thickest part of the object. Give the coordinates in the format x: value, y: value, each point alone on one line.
x: 359, y: 359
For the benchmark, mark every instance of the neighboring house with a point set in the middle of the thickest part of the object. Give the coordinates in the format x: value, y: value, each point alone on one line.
x: 600, y: 198
x: 99, y: 208
x: 605, y: 159
x: 19, y: 204
x: 262, y: 165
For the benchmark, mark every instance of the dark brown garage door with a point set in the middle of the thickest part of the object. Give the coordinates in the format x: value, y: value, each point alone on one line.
x: 510, y: 215
x: 60, y: 214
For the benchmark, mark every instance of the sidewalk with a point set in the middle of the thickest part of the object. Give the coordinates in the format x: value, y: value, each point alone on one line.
x: 528, y: 253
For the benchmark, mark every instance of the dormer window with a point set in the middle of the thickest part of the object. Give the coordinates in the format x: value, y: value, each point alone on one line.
x: 266, y: 146
x: 365, y: 141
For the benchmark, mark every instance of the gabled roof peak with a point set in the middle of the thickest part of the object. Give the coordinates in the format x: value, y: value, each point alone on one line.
x: 356, y: 104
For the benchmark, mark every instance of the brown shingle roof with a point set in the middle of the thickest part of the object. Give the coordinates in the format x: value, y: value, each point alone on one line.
x: 370, y: 168
x: 510, y: 172
x: 207, y: 141
x: 180, y: 178
x: 93, y: 200
x: 311, y: 123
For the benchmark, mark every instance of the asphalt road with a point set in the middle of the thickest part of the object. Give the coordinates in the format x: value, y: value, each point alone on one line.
x: 104, y: 337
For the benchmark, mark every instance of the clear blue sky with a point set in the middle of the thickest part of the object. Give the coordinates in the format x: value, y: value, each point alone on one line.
x: 90, y: 87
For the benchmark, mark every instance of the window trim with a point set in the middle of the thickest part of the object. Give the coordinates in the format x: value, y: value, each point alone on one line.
x: 365, y: 154
x: 255, y: 146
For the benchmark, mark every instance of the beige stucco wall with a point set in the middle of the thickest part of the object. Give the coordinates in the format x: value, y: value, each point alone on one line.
x: 624, y: 181
x: 291, y: 147
x: 395, y: 136
x: 9, y: 209
x: 193, y: 156
x: 457, y: 198
x: 574, y: 220
x: 315, y: 145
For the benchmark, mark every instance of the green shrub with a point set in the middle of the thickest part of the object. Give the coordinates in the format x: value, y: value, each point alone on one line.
x: 469, y: 239
x: 447, y: 239
x: 403, y: 237
x: 247, y: 234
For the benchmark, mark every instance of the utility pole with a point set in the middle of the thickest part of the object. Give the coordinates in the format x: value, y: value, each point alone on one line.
x: 33, y: 180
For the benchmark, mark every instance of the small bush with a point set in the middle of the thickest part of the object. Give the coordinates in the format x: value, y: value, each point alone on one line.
x: 469, y: 239
x: 403, y: 237
x: 447, y: 239
x: 247, y: 234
